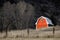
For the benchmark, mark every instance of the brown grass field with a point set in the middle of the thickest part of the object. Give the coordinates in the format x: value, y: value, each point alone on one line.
x: 44, y: 34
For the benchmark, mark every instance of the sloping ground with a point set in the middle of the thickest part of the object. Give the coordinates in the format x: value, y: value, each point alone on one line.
x: 33, y: 34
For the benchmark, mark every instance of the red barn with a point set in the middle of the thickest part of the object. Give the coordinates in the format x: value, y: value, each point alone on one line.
x: 42, y: 22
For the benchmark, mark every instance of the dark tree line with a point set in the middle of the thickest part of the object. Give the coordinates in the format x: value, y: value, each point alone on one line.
x: 22, y: 14
x: 16, y: 16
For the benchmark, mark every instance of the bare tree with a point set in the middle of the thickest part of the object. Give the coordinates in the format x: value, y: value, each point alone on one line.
x: 9, y: 16
x: 26, y: 12
x: 1, y: 20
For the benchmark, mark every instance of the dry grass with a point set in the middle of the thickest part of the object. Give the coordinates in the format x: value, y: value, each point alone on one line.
x: 33, y: 35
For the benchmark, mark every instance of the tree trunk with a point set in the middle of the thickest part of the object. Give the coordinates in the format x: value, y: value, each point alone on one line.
x: 53, y: 31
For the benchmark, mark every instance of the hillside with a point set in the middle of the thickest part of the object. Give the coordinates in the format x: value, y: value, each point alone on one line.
x: 22, y: 14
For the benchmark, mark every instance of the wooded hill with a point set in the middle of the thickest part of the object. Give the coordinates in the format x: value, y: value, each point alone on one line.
x: 22, y: 14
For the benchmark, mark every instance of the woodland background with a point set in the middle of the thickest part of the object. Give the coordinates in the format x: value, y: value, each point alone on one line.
x: 22, y: 14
